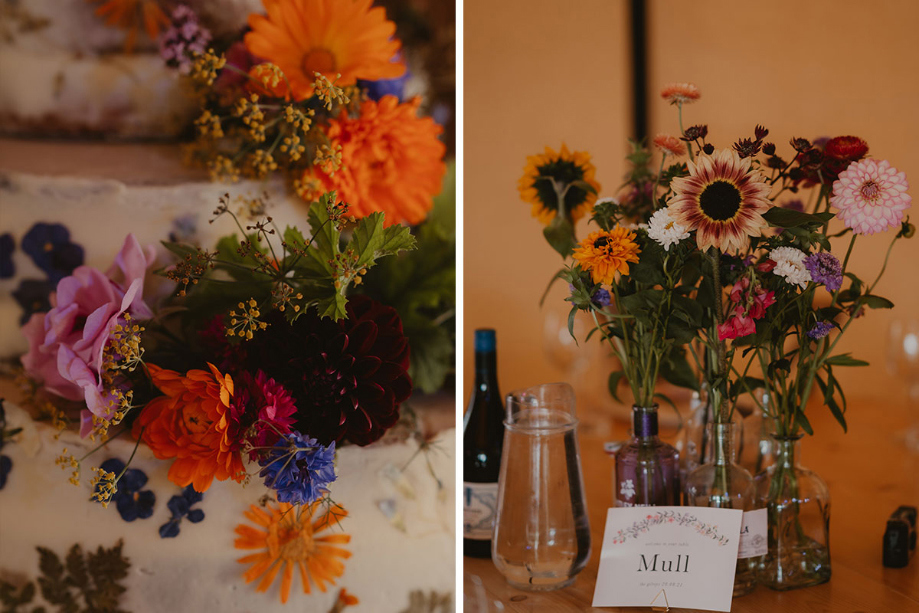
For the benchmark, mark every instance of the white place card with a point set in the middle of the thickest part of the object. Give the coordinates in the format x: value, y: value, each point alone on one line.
x: 678, y: 556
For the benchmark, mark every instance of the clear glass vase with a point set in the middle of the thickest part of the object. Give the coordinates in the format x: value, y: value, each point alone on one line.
x: 798, y: 503
x: 722, y: 483
x: 647, y: 468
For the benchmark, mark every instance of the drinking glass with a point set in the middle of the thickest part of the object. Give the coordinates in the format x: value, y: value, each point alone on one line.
x: 542, y: 537
x: 903, y: 361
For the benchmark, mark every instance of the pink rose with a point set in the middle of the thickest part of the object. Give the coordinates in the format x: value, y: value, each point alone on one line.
x: 66, y: 344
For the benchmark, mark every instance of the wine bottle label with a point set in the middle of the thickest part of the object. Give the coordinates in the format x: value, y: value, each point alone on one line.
x: 480, y: 502
x: 753, y: 541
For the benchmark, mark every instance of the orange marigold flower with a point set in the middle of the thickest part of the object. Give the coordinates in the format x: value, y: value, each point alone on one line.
x: 130, y: 14
x: 190, y: 424
x: 292, y: 536
x: 670, y: 145
x: 331, y: 37
x: 680, y: 93
x: 391, y: 161
x: 604, y: 254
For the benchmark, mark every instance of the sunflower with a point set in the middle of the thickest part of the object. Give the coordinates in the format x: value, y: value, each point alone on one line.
x: 331, y: 37
x: 544, y: 172
x: 722, y: 200
x: 289, y: 537
x: 603, y: 254
x: 391, y: 161
x: 130, y: 14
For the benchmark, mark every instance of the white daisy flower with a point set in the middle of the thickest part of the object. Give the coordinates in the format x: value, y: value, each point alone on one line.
x: 789, y: 264
x: 664, y: 230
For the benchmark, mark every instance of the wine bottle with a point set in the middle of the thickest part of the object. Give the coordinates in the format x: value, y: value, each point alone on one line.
x: 483, y: 438
x: 647, y: 468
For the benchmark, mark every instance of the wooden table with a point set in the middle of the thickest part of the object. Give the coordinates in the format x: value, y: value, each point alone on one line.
x: 869, y: 472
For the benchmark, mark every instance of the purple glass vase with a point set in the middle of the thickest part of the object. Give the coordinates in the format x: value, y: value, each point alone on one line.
x: 647, y: 468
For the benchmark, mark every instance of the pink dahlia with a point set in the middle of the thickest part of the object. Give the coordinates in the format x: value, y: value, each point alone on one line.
x: 871, y: 196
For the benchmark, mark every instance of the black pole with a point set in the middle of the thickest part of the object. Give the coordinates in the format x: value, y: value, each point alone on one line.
x: 639, y: 69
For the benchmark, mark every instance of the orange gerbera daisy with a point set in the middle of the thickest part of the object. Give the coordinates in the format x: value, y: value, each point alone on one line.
x: 604, y: 254
x: 331, y: 37
x: 391, y: 161
x: 190, y: 423
x: 129, y: 14
x: 290, y: 537
x: 546, y: 171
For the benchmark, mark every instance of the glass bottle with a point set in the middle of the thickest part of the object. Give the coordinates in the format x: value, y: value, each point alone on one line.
x: 798, y: 504
x: 722, y: 483
x: 647, y: 468
x: 542, y: 535
x: 483, y: 439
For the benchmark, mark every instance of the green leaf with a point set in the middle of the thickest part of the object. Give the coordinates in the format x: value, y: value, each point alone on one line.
x: 779, y: 217
x: 371, y: 241
x: 584, y: 185
x: 675, y: 369
x: 876, y: 302
x: 829, y: 399
x: 845, y: 359
x: 179, y: 249
x: 294, y: 238
x: 76, y: 567
x: 560, y: 235
x: 801, y: 420
x: 559, y: 275
x: 613, y: 383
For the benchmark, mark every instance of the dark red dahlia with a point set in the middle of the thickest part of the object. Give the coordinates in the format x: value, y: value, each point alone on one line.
x: 840, y: 152
x: 347, y: 378
x: 261, y: 411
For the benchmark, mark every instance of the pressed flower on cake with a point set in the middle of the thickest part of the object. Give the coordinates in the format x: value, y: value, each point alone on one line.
x: 722, y: 200
x: 391, y: 161
x: 130, y: 15
x: 871, y: 196
x: 291, y: 537
x: 332, y: 37
x: 543, y: 173
x: 605, y: 254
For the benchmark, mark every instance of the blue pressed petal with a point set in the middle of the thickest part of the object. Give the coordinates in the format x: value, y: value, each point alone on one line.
x: 169, y: 530
x: 191, y: 495
x: 178, y: 506
x: 195, y: 515
x: 132, y: 480
x: 126, y: 507
x: 113, y: 465
x: 145, y: 502
x: 6, y: 465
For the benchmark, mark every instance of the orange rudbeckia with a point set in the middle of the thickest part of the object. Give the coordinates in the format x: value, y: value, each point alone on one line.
x: 291, y: 537
x: 190, y: 423
x: 391, y: 161
x: 331, y: 37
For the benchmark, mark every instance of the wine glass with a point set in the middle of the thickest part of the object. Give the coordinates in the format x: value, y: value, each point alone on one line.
x: 903, y: 362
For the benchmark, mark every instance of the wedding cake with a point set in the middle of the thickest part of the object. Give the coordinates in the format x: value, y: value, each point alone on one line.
x: 85, y: 72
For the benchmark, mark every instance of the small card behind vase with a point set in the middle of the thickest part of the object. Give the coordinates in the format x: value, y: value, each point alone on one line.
x: 674, y: 556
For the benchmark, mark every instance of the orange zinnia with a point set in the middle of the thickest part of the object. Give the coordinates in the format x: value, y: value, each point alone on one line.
x: 331, y: 37
x: 391, y: 161
x: 190, y: 423
x: 290, y: 538
x: 605, y: 254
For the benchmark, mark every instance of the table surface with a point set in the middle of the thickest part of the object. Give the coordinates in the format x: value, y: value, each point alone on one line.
x: 869, y: 472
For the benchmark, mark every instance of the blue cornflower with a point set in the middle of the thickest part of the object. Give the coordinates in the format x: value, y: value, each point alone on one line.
x: 820, y: 329
x: 299, y: 468
x: 33, y: 296
x: 601, y: 298
x: 825, y: 268
x: 180, y: 507
x: 6, y: 465
x: 7, y: 244
x: 385, y: 87
x: 49, y: 246
x: 131, y: 502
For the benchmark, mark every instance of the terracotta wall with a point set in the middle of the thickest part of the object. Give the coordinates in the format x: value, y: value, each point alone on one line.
x: 541, y: 72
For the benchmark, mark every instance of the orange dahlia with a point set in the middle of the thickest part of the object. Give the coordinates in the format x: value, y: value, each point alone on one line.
x: 331, y: 37
x: 191, y: 424
x: 722, y: 200
x: 604, y: 254
x: 291, y: 537
x: 391, y: 161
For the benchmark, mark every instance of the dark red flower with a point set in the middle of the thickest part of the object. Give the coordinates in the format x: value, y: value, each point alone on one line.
x: 261, y: 411
x: 347, y: 378
x: 840, y: 152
